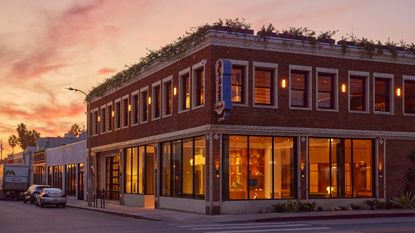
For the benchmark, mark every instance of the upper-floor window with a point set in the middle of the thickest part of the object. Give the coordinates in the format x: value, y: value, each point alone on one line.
x: 300, y: 94
x: 184, y: 90
x: 409, y: 95
x: 95, y: 123
x: 144, y: 105
x: 326, y: 90
x: 117, y: 114
x: 358, y: 93
x: 198, y: 85
x: 264, y: 84
x: 110, y: 117
x: 125, y: 112
x: 382, y: 94
x: 263, y: 87
x: 167, y: 96
x: 156, y: 101
x: 134, y: 108
x: 103, y: 119
x: 239, y: 82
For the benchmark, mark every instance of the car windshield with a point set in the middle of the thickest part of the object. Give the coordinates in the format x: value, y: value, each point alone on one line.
x: 53, y: 191
x: 41, y: 187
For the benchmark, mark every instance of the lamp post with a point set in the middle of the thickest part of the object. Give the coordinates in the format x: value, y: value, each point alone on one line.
x: 90, y: 182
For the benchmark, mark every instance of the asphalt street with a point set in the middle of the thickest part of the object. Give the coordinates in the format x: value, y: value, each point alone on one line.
x: 16, y: 217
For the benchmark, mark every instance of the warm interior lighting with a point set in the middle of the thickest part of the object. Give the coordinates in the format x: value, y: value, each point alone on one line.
x: 99, y: 118
x: 344, y: 88
x: 174, y: 91
x: 129, y: 107
x: 398, y: 91
x: 283, y: 83
x: 113, y: 113
x: 149, y: 100
x: 199, y: 160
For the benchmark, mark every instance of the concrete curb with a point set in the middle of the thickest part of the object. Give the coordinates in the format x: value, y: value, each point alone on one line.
x: 266, y: 219
x: 101, y: 210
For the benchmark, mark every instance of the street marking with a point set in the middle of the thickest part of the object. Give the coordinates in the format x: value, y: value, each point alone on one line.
x: 274, y: 230
x: 245, y: 227
x: 234, y: 224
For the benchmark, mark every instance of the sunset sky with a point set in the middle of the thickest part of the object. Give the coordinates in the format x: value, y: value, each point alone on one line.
x: 47, y: 45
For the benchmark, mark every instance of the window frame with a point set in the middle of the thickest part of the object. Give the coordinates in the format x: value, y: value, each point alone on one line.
x: 391, y: 93
x: 153, y: 103
x: 164, y: 95
x: 95, y: 123
x: 135, y: 106
x: 123, y: 111
x: 116, y: 114
x: 110, y: 118
x: 103, y: 122
x: 274, y: 88
x: 195, y: 68
x: 365, y: 75
x: 309, y: 87
x: 245, y: 65
x: 406, y: 78
x: 181, y: 74
x: 142, y: 90
x: 335, y: 84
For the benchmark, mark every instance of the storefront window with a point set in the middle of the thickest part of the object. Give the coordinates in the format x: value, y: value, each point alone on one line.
x: 165, y: 166
x: 128, y: 170
x: 268, y: 171
x: 149, y: 170
x: 70, y: 179
x: 139, y: 170
x: 340, y: 168
x: 141, y: 159
x: 283, y: 168
x: 183, y: 164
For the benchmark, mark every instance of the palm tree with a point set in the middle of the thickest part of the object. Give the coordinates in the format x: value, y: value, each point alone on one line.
x: 13, y: 142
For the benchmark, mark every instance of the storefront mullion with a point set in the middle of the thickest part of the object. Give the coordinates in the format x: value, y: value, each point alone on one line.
x: 272, y: 168
x: 247, y: 169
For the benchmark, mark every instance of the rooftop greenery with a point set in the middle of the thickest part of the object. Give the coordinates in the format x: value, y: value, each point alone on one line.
x: 196, y: 35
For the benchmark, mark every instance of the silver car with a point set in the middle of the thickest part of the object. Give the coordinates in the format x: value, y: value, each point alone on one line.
x: 51, y: 196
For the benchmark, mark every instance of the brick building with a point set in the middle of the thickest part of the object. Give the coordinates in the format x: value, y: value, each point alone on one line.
x: 238, y: 124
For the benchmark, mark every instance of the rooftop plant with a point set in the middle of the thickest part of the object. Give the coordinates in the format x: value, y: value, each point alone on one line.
x: 196, y: 35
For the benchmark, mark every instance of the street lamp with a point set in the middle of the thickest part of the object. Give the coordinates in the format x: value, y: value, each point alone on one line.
x: 90, y: 183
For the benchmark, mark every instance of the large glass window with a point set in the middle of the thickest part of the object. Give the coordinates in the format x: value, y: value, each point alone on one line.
x: 70, y: 179
x: 340, y: 168
x: 382, y: 95
x: 409, y: 96
x: 264, y: 87
x: 183, y: 165
x: 260, y: 167
x: 139, y: 170
x: 326, y: 91
x: 199, y: 80
x: 299, y: 89
x: 238, y: 84
x: 358, y: 93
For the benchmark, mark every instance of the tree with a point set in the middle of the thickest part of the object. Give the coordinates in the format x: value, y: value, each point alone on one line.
x: 76, y: 130
x: 13, y: 142
x: 26, y: 137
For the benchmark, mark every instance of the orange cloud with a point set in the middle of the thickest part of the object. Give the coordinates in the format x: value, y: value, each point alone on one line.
x: 105, y: 71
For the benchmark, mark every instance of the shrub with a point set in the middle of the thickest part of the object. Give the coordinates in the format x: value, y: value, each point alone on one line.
x: 295, y: 206
x: 376, y: 204
x: 404, y: 201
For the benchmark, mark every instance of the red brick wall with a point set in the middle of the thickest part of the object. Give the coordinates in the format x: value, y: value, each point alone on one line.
x: 397, y: 164
x: 260, y: 116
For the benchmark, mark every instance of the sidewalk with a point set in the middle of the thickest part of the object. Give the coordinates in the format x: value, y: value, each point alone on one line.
x: 178, y: 216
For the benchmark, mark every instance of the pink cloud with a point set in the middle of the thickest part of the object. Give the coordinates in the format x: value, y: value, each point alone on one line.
x: 105, y: 71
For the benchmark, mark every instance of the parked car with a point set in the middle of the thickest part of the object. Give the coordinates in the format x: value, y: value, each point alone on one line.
x: 32, y: 192
x: 51, y: 196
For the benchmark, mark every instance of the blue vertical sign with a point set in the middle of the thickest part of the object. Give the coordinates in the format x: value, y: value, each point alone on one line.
x: 223, y: 104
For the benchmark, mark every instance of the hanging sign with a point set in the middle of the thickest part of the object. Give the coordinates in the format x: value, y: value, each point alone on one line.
x: 223, y: 104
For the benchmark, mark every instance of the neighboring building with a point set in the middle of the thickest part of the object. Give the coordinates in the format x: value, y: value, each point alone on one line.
x: 307, y: 122
x: 65, y: 168
x: 39, y: 162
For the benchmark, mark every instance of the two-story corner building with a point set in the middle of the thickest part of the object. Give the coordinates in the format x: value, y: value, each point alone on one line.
x: 297, y: 121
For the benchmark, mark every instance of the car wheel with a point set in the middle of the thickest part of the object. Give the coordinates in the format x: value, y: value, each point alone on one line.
x: 24, y: 201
